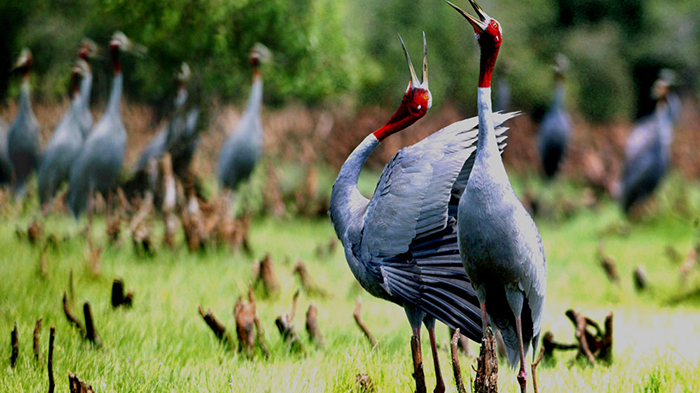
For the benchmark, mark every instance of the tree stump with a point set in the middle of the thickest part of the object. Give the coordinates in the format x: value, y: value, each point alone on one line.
x: 315, y: 335
x: 486, y: 380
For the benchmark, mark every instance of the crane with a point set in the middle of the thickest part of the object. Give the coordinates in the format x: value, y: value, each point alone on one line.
x: 5, y: 164
x: 65, y: 143
x: 401, y: 245
x: 179, y: 136
x: 499, y: 243
x: 98, y: 165
x: 243, y: 147
x: 23, y: 135
x: 648, y: 149
x: 555, y: 129
x: 88, y: 49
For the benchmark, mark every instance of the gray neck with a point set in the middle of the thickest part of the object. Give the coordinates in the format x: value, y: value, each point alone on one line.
x: 486, y: 145
x: 181, y: 98
x: 255, y: 99
x: 345, y: 197
x: 85, y: 86
x: 25, y: 102
x: 115, y: 96
x: 559, y: 93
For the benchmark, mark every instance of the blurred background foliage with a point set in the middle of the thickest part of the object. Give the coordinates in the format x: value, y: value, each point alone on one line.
x: 331, y: 51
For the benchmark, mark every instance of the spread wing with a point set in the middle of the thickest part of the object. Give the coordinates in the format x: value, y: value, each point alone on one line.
x: 414, y: 192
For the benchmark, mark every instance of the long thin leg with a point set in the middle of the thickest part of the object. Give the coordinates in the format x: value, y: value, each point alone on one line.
x: 439, y: 383
x: 418, y: 374
x: 484, y: 318
x: 522, y: 374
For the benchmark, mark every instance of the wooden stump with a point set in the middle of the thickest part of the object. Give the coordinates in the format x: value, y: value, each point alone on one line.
x: 52, y: 337
x: 456, y: 369
x: 14, y: 344
x: 361, y: 325
x: 486, y: 380
x: 37, y: 328
x: 90, y: 331
x: 217, y: 327
x: 315, y: 335
x: 75, y: 385
x: 118, y: 296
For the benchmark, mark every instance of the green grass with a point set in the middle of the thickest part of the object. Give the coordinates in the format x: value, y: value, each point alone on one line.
x: 162, y: 344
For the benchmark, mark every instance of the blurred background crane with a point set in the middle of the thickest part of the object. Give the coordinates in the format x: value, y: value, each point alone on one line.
x: 243, y: 147
x: 66, y: 141
x: 648, y: 148
x: 23, y: 135
x: 98, y: 166
x: 555, y: 129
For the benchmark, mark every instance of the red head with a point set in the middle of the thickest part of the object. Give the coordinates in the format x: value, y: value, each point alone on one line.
x: 489, y: 35
x: 80, y: 69
x: 121, y: 43
x: 88, y: 49
x: 416, y: 101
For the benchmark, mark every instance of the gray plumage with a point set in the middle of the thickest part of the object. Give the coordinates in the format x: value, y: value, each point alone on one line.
x: 647, y: 154
x: 401, y: 245
x: 178, y: 137
x: 243, y: 147
x: 85, y: 116
x: 5, y: 164
x: 99, y: 163
x: 61, y: 152
x: 23, y: 141
x: 499, y: 243
x: 554, y: 133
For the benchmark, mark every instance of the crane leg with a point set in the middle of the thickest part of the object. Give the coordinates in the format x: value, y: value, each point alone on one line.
x: 522, y: 374
x: 439, y: 382
x: 484, y: 318
x: 418, y: 374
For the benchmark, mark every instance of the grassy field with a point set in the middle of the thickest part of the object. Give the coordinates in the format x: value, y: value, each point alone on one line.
x: 162, y: 344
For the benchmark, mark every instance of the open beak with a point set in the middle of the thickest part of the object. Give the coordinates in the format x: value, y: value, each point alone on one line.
x: 415, y: 83
x: 137, y: 50
x: 478, y: 24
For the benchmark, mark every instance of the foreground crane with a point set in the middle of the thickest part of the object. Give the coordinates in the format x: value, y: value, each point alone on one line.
x: 648, y: 150
x: 23, y: 135
x: 98, y: 165
x: 243, y: 147
x: 401, y: 245
x: 555, y: 129
x: 65, y: 143
x: 499, y: 242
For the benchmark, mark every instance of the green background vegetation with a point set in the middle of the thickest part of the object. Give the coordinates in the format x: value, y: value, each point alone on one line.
x: 328, y: 51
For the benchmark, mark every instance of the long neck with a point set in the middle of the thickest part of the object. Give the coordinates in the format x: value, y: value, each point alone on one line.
x: 487, y: 62
x: 559, y: 92
x: 85, y: 88
x: 486, y: 144
x: 254, y: 104
x: 115, y: 97
x: 345, y: 192
x: 181, y: 97
x: 25, y: 101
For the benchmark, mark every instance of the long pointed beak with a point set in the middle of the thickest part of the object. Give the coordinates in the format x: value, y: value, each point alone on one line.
x: 414, y: 78
x: 137, y: 50
x: 478, y: 24
x: 424, y: 78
